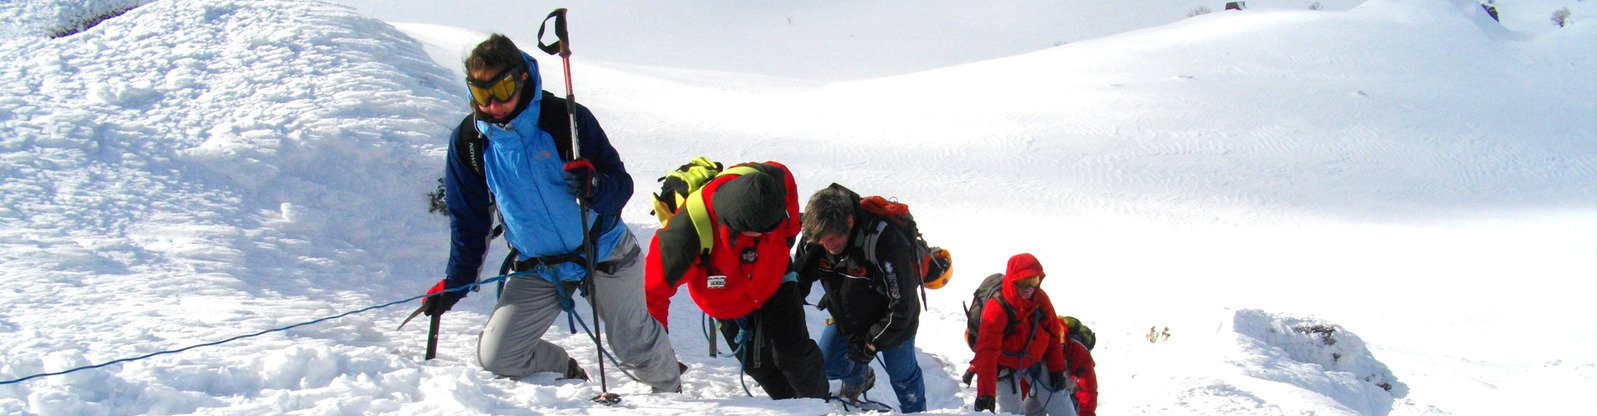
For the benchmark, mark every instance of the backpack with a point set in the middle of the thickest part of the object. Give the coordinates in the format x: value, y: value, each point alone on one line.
x: 679, y: 189
x: 935, y: 265
x: 991, y: 287
x: 677, y: 184
x: 1078, y: 331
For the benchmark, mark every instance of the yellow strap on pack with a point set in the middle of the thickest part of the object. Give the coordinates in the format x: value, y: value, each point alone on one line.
x: 693, y: 175
x: 700, y: 213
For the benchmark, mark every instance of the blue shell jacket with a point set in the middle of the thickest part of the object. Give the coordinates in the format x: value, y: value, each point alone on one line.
x: 524, y: 179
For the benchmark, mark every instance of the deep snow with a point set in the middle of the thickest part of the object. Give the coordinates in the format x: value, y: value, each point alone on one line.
x: 1405, y: 177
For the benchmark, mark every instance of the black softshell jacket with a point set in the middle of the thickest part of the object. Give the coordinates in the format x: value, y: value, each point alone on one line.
x: 876, y: 302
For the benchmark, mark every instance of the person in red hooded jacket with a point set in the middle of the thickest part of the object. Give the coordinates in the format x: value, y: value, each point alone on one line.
x: 1023, y: 355
x: 744, y: 280
x: 1079, y: 358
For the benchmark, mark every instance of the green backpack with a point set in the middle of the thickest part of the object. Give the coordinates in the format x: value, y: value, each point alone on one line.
x: 1079, y: 331
x: 677, y: 184
x: 679, y: 189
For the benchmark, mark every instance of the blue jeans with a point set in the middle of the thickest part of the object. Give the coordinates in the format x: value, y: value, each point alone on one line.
x: 899, y: 362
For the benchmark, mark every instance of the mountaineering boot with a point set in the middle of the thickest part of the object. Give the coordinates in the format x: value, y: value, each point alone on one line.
x: 852, y: 392
x: 574, y: 371
x: 681, y: 368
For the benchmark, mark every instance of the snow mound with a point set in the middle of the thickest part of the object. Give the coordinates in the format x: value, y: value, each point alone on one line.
x: 189, y: 166
x: 1318, y: 356
x: 184, y: 116
x: 58, y: 18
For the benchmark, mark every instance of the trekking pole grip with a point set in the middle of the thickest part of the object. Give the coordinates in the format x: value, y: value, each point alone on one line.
x: 562, y: 43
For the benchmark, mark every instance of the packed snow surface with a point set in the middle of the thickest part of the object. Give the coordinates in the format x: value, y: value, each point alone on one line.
x: 1386, y: 207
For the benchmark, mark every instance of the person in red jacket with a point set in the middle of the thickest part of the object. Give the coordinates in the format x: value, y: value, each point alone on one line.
x: 1022, y: 353
x: 744, y: 281
x: 1082, y: 372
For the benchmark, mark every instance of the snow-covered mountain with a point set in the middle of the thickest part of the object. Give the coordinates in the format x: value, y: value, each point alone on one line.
x: 1383, y: 207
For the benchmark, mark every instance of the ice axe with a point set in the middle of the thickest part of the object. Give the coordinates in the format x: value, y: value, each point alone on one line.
x: 562, y: 47
x: 432, y: 330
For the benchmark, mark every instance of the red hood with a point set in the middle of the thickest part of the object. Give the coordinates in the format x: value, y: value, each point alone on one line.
x: 1021, y: 266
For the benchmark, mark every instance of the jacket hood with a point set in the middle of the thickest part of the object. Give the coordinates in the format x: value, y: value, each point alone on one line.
x: 531, y: 92
x: 1021, y: 266
x: 751, y: 202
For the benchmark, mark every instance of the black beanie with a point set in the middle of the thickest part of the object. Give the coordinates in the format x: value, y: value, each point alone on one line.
x: 752, y: 202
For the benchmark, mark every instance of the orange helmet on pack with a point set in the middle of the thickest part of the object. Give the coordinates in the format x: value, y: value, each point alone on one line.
x: 940, y: 269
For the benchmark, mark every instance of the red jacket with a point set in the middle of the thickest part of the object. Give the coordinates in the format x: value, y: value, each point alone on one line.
x: 1081, y: 368
x: 994, y: 349
x: 746, y: 285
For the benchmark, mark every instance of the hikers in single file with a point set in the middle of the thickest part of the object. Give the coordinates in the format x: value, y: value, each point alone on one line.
x: 1020, y: 364
x: 512, y: 158
x: 729, y: 244
x: 871, y: 287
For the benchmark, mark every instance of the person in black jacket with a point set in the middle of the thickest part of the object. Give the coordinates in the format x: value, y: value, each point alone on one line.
x: 866, y: 266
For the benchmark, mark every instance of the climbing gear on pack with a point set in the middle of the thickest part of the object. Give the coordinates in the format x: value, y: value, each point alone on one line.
x: 941, y: 259
x: 934, y: 266
x: 677, y: 184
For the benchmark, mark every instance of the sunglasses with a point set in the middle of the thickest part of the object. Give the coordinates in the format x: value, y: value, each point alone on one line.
x: 1029, y: 282
x: 498, y: 89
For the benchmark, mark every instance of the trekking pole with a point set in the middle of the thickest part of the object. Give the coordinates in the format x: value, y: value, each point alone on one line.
x: 562, y: 47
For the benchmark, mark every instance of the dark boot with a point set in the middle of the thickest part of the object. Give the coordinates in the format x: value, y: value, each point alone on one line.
x: 852, y: 392
x: 574, y: 371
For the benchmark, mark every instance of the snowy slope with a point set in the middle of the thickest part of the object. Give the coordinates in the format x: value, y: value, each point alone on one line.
x: 1405, y: 177
x: 824, y: 41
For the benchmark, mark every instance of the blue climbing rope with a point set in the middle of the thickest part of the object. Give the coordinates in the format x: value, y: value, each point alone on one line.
x: 706, y: 323
x: 596, y: 341
x: 208, y: 344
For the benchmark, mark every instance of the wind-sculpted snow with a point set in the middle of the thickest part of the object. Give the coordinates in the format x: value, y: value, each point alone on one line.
x: 55, y: 18
x: 1317, y: 356
x: 193, y: 169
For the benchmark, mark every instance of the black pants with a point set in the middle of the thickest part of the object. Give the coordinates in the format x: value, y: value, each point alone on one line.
x: 789, y: 362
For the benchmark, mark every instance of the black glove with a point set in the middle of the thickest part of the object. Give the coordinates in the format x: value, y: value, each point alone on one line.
x: 438, y: 300
x: 580, y: 180
x: 1058, y: 380
x: 984, y: 403
x: 969, y: 374
x: 861, y: 352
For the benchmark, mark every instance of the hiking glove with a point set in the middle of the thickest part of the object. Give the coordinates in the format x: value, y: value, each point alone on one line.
x: 438, y: 301
x: 1058, y: 381
x: 984, y: 403
x: 861, y: 352
x: 969, y: 374
x: 580, y: 180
